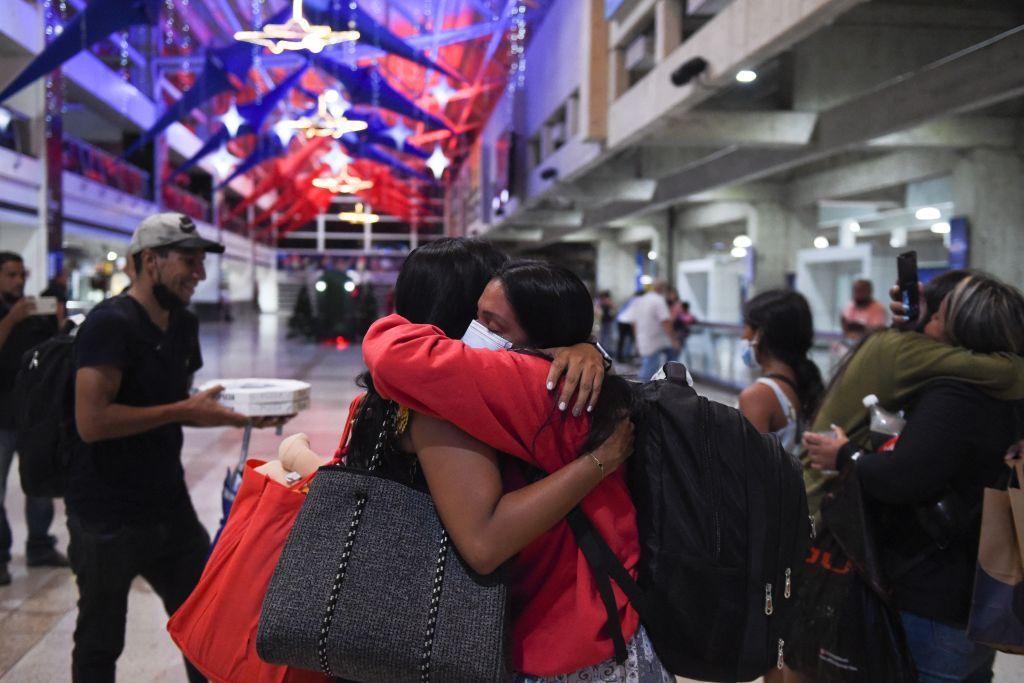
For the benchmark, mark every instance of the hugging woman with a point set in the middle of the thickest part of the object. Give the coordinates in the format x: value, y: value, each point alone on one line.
x: 482, y: 422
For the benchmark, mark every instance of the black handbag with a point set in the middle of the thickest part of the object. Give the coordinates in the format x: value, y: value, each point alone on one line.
x: 369, y: 588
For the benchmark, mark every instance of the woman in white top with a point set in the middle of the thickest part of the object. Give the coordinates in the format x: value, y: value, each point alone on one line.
x: 778, y: 331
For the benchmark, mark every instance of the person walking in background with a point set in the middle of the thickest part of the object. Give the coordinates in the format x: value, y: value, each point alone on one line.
x: 626, y: 346
x: 606, y: 319
x: 863, y: 314
x: 20, y: 330
x: 927, y: 491
x: 652, y: 325
x: 778, y: 330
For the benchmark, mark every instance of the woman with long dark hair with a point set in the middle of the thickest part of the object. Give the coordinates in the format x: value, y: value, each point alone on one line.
x: 778, y: 330
x: 504, y: 427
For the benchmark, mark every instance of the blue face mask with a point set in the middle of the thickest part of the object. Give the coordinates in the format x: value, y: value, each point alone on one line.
x: 749, y: 355
x: 477, y: 336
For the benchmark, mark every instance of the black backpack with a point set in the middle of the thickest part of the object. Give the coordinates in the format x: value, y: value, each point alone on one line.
x: 722, y: 516
x: 46, y: 429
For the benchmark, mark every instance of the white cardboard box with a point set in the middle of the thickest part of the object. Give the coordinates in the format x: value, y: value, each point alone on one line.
x: 259, y: 397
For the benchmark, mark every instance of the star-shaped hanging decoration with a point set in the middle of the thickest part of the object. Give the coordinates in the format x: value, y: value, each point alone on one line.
x: 399, y: 133
x: 223, y: 162
x: 437, y: 162
x: 443, y: 92
x: 232, y: 120
x: 336, y: 159
x: 284, y: 132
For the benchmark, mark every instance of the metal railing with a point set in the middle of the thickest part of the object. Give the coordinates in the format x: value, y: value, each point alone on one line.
x: 176, y: 199
x: 102, y: 167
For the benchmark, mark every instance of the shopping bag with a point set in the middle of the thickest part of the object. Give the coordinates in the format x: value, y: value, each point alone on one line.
x: 997, y: 607
x: 216, y: 626
x: 845, y: 630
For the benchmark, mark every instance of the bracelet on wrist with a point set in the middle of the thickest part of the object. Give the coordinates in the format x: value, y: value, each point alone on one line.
x: 600, y: 465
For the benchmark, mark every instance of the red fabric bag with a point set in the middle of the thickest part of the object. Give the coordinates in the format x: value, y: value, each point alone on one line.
x: 216, y: 626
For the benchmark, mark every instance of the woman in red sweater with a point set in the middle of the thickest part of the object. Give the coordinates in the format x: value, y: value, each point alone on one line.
x: 472, y: 404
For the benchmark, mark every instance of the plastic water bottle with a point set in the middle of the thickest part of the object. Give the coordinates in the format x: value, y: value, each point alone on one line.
x: 885, y: 426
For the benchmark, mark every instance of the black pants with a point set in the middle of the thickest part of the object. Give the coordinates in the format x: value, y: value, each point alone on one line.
x: 627, y: 342
x: 169, y: 554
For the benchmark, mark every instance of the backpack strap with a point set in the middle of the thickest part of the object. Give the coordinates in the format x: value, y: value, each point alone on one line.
x: 605, y: 567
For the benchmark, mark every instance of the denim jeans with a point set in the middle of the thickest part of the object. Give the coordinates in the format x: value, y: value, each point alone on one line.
x: 38, y: 511
x: 943, y: 653
x: 169, y: 555
x: 652, y: 363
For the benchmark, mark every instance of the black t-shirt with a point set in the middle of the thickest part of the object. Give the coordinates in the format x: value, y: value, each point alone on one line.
x: 137, y: 478
x: 31, y: 331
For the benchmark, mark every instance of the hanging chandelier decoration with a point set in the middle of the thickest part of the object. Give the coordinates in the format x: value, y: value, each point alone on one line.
x: 296, y: 34
x: 343, y: 184
x: 360, y: 216
x: 328, y: 121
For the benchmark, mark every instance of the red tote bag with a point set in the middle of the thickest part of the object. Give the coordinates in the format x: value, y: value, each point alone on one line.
x: 216, y: 626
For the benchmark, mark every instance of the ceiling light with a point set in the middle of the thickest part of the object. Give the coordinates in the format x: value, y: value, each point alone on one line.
x: 325, y: 122
x: 350, y: 286
x: 343, y: 184
x: 853, y: 226
x: 320, y: 286
x: 746, y: 76
x: 652, y: 255
x: 359, y: 216
x: 742, y: 241
x: 284, y: 132
x: 5, y: 119
x: 296, y: 34
x: 646, y: 279
x: 739, y: 252
x: 928, y: 213
x: 941, y: 228
x: 111, y: 255
x: 820, y: 242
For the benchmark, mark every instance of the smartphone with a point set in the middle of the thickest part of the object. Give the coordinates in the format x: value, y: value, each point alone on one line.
x: 46, y: 305
x: 906, y: 280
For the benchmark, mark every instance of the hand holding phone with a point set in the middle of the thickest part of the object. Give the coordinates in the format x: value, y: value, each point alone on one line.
x: 907, y: 281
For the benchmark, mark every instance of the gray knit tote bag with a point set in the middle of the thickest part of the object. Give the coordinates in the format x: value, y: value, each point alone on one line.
x: 370, y: 588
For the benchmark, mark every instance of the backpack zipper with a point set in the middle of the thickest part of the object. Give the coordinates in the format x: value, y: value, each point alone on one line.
x: 779, y: 663
x: 769, y: 606
x: 788, y: 591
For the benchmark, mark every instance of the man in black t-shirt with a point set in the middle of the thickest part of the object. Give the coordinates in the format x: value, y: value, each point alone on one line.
x: 20, y: 330
x: 129, y: 512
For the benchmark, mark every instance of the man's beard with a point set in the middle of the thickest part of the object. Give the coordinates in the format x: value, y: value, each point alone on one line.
x: 166, y: 299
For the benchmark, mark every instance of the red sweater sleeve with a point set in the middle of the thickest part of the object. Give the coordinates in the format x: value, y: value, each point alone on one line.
x: 497, y: 397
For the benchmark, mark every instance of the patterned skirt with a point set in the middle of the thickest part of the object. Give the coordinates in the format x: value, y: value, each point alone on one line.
x: 641, y: 666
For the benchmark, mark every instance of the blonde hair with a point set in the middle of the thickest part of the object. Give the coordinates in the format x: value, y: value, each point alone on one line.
x: 986, y: 315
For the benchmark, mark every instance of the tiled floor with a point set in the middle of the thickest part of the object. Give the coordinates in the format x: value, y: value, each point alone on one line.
x: 37, y: 611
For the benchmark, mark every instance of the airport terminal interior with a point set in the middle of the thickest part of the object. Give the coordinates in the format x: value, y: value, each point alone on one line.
x: 724, y: 148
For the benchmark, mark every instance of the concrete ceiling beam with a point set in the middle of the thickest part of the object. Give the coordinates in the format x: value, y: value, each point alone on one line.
x: 872, y: 175
x: 548, y: 218
x: 985, y: 74
x: 746, y: 128
x: 955, y: 132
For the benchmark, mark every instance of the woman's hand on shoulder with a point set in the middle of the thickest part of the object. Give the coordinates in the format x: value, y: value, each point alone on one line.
x: 616, y: 449
x: 583, y: 367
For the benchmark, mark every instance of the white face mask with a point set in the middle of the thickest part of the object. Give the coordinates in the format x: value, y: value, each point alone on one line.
x: 477, y: 336
x: 748, y: 352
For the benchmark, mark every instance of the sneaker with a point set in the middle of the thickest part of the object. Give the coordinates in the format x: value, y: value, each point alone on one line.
x: 54, y: 558
x: 5, y: 576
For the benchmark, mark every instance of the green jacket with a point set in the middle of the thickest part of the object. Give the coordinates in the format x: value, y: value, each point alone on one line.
x: 894, y: 366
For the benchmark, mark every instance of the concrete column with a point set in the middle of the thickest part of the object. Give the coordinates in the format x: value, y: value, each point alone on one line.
x: 616, y: 266
x: 987, y: 190
x: 777, y: 233
x: 668, y: 28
